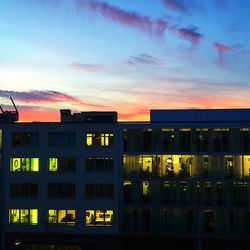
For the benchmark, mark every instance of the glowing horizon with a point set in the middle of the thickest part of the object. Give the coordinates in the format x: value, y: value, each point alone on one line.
x: 124, y: 56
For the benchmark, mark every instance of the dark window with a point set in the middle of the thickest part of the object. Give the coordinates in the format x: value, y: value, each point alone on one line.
x: 99, y: 165
x: 183, y: 193
x: 219, y: 192
x: 245, y: 137
x: 217, y: 146
x: 221, y: 140
x: 190, y: 221
x: 185, y: 135
x: 240, y: 194
x: 24, y: 139
x: 208, y: 194
x: 231, y: 221
x: 23, y: 190
x: 99, y: 191
x: 61, y: 190
x: 208, y: 221
x: 147, y: 138
x: 127, y: 192
x: 146, y: 220
x: 168, y: 138
x: 247, y: 222
x: 202, y: 140
x: 169, y: 193
x: 226, y: 145
x: 61, y: 139
x: 125, y: 140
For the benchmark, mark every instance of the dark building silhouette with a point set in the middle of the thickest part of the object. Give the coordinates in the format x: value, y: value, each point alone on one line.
x: 179, y: 181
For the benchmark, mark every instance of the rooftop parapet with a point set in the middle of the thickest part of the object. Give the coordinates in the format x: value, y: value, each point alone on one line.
x: 91, y: 116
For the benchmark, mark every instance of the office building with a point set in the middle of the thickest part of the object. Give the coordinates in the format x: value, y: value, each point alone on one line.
x: 91, y: 182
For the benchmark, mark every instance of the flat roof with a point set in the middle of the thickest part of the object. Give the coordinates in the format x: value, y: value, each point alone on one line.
x: 199, y: 115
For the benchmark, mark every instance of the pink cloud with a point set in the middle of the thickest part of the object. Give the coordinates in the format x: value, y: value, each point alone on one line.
x: 87, y: 67
x: 190, y: 34
x: 176, y: 5
x: 155, y: 27
x: 221, y: 49
x: 124, y: 17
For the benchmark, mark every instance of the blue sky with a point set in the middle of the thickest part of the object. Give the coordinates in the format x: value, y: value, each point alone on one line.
x: 124, y: 55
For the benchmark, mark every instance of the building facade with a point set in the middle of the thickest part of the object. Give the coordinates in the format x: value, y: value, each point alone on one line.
x: 90, y: 182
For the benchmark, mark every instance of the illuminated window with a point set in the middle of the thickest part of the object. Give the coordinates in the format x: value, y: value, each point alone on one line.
x: 23, y: 216
x: 24, y: 164
x: 147, y: 164
x: 61, y: 216
x: 62, y: 164
x: 99, y: 217
x: 99, y: 139
x: 145, y: 191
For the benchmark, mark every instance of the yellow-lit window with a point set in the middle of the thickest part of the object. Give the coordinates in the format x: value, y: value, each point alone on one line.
x: 24, y: 164
x: 14, y: 216
x: 23, y: 216
x: 89, y: 139
x: 33, y: 216
x: 147, y: 164
x: 53, y: 164
x: 15, y: 164
x: 61, y: 216
x: 106, y: 139
x: 34, y: 164
x: 145, y: 188
x: 90, y: 217
x: 52, y: 216
x: 99, y: 217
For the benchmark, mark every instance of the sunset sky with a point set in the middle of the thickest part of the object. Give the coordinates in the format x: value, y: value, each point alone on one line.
x: 128, y: 56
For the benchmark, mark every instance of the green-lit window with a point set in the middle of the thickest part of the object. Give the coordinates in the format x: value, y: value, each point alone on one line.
x: 23, y: 216
x: 99, y: 217
x: 99, y: 139
x: 61, y: 216
x: 24, y: 164
x: 53, y: 164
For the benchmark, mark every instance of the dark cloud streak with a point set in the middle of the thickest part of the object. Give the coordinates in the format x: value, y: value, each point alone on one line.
x: 156, y: 27
x: 45, y: 96
x: 175, y: 5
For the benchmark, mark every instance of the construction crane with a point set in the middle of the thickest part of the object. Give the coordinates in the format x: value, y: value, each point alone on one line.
x: 9, y: 116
